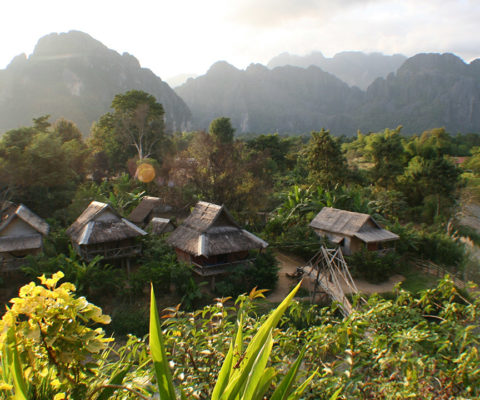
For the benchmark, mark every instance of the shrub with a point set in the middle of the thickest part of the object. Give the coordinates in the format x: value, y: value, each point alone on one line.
x: 129, y: 319
x: 263, y: 274
x: 373, y: 267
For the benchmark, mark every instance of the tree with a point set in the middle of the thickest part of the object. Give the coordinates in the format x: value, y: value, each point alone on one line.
x: 140, y: 121
x: 221, y: 129
x: 386, y: 151
x: 327, y: 166
x: 425, y: 180
x: 42, y: 167
x: 223, y: 173
x: 136, y: 128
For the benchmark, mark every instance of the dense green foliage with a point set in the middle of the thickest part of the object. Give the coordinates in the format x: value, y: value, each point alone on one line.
x: 273, y: 186
x: 409, y: 346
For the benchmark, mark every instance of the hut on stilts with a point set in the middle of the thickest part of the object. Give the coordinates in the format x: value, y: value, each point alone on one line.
x: 101, y: 231
x: 21, y: 234
x: 352, y: 231
x: 212, y: 242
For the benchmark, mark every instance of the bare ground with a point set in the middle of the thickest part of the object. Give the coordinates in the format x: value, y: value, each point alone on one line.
x: 289, y: 263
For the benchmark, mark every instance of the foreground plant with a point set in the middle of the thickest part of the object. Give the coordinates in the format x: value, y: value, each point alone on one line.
x: 47, y: 346
x: 244, y: 374
x: 50, y: 352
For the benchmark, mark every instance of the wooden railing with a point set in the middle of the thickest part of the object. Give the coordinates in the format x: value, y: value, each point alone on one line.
x: 220, y: 268
x: 109, y: 254
x: 436, y: 270
x: 11, y: 263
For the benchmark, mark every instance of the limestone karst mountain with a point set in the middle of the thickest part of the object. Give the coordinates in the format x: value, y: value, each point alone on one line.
x: 285, y: 99
x: 74, y: 76
x: 427, y: 91
x: 353, y: 67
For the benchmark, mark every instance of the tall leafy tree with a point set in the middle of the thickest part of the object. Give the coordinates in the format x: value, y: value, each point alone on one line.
x: 42, y: 165
x: 387, y: 152
x: 223, y: 173
x: 135, y: 128
x: 327, y: 166
x: 221, y: 129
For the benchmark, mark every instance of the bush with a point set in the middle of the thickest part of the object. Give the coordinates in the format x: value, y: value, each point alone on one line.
x: 263, y: 274
x: 129, y: 319
x: 372, y: 266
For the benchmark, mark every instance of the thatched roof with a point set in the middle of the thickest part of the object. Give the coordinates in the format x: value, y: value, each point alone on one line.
x: 26, y: 215
x: 348, y: 223
x: 6, y: 208
x: 145, y: 207
x: 211, y: 230
x: 100, y: 223
x: 159, y: 226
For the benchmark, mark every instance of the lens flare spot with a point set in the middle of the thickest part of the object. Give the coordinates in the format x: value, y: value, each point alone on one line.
x: 145, y: 173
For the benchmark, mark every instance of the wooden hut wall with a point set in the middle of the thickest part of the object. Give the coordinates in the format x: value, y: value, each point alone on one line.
x: 183, y: 256
x: 353, y: 245
x: 18, y: 228
x: 220, y: 258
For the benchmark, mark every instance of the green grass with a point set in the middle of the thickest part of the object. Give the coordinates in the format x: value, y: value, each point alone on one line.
x: 416, y: 280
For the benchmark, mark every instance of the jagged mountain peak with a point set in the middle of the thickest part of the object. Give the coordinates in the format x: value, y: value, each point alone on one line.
x: 222, y: 67
x: 433, y: 62
x: 75, y: 76
x: 65, y: 43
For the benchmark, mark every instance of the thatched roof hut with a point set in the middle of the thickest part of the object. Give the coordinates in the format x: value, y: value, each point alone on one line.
x: 100, y: 230
x: 210, y: 236
x: 160, y: 226
x: 148, y: 208
x: 351, y: 230
x: 21, y: 233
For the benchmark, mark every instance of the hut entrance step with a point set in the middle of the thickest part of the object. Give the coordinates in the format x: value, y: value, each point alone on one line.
x: 331, y: 275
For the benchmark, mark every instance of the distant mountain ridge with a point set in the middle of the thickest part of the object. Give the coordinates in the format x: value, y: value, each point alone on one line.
x: 353, y: 67
x: 285, y: 99
x: 74, y: 76
x: 427, y: 91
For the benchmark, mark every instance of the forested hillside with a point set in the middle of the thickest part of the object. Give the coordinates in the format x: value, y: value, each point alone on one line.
x: 419, y: 340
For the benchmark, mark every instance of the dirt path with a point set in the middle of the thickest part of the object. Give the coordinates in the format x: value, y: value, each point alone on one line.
x: 289, y: 264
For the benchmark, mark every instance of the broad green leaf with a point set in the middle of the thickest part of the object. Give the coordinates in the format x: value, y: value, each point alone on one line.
x: 233, y: 357
x: 238, y: 346
x: 298, y: 393
x: 256, y: 373
x: 336, y: 394
x: 285, y: 387
x: 264, y: 383
x: 240, y: 375
x: 224, y: 374
x: 18, y: 380
x: 160, y: 362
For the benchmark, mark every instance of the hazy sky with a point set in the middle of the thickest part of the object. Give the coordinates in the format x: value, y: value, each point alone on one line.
x: 187, y: 36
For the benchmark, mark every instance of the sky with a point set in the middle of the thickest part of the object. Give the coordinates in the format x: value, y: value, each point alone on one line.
x: 187, y: 36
